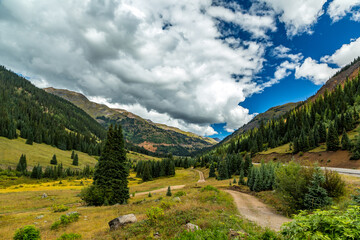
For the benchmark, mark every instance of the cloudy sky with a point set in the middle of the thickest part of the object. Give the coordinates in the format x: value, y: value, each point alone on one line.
x: 200, y: 65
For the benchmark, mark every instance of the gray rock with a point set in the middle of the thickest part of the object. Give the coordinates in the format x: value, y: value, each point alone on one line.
x: 44, y: 195
x: 121, y: 221
x: 176, y: 199
x: 191, y: 227
x: 39, y: 217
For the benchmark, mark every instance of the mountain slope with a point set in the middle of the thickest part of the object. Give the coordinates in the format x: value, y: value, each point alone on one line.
x: 44, y: 118
x: 152, y: 136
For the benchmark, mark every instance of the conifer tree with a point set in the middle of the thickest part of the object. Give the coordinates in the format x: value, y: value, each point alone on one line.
x: 247, y: 165
x: 223, y: 172
x: 212, y: 170
x: 234, y: 181
x: 332, y: 139
x: 317, y: 196
x: 345, y: 141
x: 75, y: 160
x: 22, y: 165
x: 112, y: 170
x: 53, y: 161
x: 30, y: 139
x: 72, y: 154
x: 241, y: 177
x: 168, y: 193
x: 146, y: 175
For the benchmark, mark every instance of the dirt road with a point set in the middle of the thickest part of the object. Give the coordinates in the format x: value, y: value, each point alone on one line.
x: 160, y: 190
x: 201, y: 175
x: 254, y: 210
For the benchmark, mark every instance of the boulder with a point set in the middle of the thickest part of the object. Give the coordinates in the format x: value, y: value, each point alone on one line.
x: 191, y: 227
x: 121, y: 221
x: 69, y: 213
x: 44, y: 195
x: 176, y: 199
x: 39, y: 217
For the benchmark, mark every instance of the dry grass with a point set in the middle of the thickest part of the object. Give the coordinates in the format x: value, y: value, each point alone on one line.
x: 281, y: 149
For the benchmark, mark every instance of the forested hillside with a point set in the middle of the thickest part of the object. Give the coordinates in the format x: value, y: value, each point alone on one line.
x: 40, y: 117
x: 156, y: 138
x: 321, y: 119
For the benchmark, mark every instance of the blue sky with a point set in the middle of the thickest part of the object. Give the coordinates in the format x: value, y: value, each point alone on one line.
x: 204, y: 66
x: 326, y: 37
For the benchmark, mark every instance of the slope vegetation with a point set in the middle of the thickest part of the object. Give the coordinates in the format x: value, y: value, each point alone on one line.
x: 151, y: 136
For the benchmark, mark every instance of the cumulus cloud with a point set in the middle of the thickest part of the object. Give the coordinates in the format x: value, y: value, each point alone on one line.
x: 282, y: 71
x: 283, y: 52
x: 339, y: 8
x: 316, y: 72
x: 345, y: 54
x: 164, y: 58
x: 297, y: 15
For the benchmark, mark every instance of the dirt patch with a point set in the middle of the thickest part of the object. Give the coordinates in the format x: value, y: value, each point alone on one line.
x: 339, y: 159
x: 201, y: 175
x: 160, y: 190
x: 254, y: 210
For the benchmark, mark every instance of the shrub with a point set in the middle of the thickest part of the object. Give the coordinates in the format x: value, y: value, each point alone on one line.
x: 166, y: 204
x: 65, y: 220
x: 93, y: 195
x: 331, y: 224
x: 27, y: 233
x: 209, y: 188
x: 59, y: 208
x: 69, y: 236
x: 180, y: 194
x: 334, y: 184
x: 356, y: 198
x: 154, y: 213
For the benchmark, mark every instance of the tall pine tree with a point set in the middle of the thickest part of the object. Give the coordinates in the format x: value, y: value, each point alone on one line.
x: 332, y: 139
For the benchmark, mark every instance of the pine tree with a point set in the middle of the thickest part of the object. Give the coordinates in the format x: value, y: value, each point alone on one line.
x: 212, y: 170
x: 345, y: 141
x: 234, y: 181
x: 75, y: 160
x: 168, y: 193
x: 247, y: 165
x: 332, y: 140
x: 72, y: 154
x: 30, y: 139
x: 223, y: 172
x: 149, y: 195
x: 317, y: 196
x: 111, y: 172
x: 53, y: 161
x: 22, y: 165
x: 146, y: 175
x: 241, y: 178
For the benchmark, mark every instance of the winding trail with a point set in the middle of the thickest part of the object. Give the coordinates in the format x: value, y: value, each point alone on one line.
x: 254, y: 210
x: 202, y: 178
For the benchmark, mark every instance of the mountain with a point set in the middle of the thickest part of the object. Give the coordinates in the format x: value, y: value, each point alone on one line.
x: 154, y: 137
x: 272, y: 113
x: 41, y: 117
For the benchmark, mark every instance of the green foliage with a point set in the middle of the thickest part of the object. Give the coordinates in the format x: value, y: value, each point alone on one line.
x: 75, y: 160
x: 203, y: 235
x: 263, y: 178
x: 65, y: 220
x: 111, y: 172
x: 241, y: 178
x: 27, y: 233
x: 333, y: 184
x: 146, y: 175
x: 332, y: 139
x: 154, y: 214
x: 180, y: 194
x: 69, y: 236
x: 209, y: 188
x: 149, y: 195
x: 356, y: 197
x: 168, y: 193
x: 53, y: 160
x: 93, y: 195
x: 331, y: 224
x: 59, y: 208
x: 212, y: 170
x: 22, y: 165
x: 148, y: 170
x: 316, y: 196
x: 345, y: 141
x: 223, y: 171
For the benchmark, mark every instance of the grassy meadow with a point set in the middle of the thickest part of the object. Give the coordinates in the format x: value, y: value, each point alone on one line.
x: 22, y: 205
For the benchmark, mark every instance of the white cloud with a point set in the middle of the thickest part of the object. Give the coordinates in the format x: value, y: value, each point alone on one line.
x: 316, y: 72
x: 164, y: 56
x: 339, y: 8
x: 283, y: 52
x: 345, y: 54
x: 282, y: 71
x: 298, y: 15
x: 257, y: 25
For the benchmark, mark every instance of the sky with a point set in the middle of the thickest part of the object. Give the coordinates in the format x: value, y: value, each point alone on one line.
x: 204, y: 66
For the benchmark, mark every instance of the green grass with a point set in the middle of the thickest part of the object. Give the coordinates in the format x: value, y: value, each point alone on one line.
x: 281, y: 149
x: 11, y: 150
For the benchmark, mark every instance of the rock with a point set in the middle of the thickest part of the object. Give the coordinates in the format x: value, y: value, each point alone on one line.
x: 121, y: 221
x: 157, y: 235
x: 45, y: 221
x: 233, y: 233
x: 39, y: 217
x: 176, y: 199
x: 191, y: 227
x: 44, y: 195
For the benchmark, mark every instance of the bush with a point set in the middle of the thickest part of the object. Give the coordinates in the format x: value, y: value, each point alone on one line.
x: 209, y: 188
x: 27, y: 233
x: 334, y: 185
x: 65, y: 220
x: 154, y: 213
x: 59, y: 208
x: 166, y: 204
x: 332, y: 224
x: 180, y: 194
x: 69, y: 236
x: 356, y: 198
x: 93, y: 195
